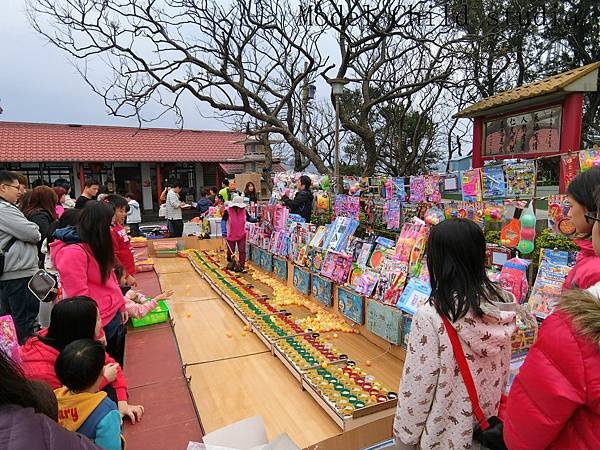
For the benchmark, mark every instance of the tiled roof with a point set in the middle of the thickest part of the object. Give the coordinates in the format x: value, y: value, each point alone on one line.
x: 543, y: 87
x: 37, y: 142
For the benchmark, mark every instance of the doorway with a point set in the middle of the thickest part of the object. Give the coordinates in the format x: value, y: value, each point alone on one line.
x: 129, y: 179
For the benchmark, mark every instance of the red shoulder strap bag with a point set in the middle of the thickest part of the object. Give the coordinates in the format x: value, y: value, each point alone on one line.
x: 489, y: 431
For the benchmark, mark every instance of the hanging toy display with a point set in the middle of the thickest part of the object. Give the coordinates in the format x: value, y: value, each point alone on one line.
x: 434, y: 215
x: 511, y: 233
x: 527, y: 242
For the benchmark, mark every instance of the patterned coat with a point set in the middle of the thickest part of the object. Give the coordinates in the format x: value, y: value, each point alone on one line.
x: 434, y: 410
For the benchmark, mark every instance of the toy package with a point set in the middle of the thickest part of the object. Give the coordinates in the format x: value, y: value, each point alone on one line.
x: 315, y: 259
x: 554, y: 267
x: 319, y: 236
x: 589, y: 159
x: 494, y: 185
x: 471, y: 185
x: 525, y: 334
x: 336, y: 267
x: 9, y: 343
x: 411, y: 244
x: 394, y: 212
x: 382, y: 247
x: 431, y: 188
x: 363, y: 281
x: 558, y: 220
x: 569, y: 167
x: 520, y: 179
x: 364, y: 254
x: 513, y: 278
x: 434, y: 215
x: 391, y: 281
x: 339, y: 232
x: 417, y: 189
x: 415, y: 294
x: 346, y: 206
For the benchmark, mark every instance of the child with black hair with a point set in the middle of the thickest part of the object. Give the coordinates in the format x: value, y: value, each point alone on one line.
x: 82, y: 407
x: 121, y: 242
x: 434, y: 408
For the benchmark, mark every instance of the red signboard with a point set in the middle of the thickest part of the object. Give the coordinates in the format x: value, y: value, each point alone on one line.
x: 525, y: 134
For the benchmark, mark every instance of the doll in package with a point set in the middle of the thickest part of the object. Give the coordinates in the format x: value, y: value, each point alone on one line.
x: 336, y: 267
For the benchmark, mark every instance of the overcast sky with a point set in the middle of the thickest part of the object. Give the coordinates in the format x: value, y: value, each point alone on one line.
x: 38, y: 83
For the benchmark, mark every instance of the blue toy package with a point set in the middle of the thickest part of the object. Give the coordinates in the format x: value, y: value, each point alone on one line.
x: 415, y: 294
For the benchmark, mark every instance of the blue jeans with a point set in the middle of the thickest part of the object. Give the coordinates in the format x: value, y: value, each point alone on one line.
x: 19, y: 302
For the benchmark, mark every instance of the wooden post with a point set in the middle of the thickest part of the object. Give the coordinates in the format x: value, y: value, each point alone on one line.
x: 81, y: 177
x: 158, y: 183
x: 477, y: 159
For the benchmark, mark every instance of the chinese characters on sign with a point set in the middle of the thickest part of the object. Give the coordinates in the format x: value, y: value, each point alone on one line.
x: 528, y: 133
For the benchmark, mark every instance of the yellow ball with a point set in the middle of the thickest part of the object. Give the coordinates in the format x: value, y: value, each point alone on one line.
x: 189, y: 314
x: 368, y: 362
x: 324, y: 365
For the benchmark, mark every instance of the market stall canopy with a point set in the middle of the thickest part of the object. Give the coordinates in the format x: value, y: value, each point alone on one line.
x: 581, y: 79
x: 40, y: 142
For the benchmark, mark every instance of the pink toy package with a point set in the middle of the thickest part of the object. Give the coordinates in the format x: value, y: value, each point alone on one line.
x: 9, y: 343
x: 513, y: 278
x: 336, y: 267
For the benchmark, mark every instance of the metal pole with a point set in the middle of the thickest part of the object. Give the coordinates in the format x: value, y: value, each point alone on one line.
x: 337, y: 144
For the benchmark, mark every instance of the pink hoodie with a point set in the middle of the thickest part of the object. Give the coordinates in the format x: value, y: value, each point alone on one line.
x: 79, y: 274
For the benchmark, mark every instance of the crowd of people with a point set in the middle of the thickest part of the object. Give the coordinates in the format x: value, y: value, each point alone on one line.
x: 67, y: 376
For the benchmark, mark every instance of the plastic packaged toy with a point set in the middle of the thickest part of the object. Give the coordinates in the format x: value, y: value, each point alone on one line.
x: 527, y: 236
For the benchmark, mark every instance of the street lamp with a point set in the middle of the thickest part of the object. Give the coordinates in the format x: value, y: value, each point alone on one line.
x: 337, y: 88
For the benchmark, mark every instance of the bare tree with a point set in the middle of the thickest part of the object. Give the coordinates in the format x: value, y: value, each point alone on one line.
x: 392, y: 52
x: 245, y: 58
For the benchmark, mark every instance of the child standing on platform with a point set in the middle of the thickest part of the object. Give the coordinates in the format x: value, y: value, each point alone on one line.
x: 82, y: 407
x: 236, y: 217
x: 134, y: 215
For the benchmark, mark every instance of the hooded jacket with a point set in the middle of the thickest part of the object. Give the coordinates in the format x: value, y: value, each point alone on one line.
x: 38, y: 364
x: 80, y: 275
x: 134, y: 215
x: 24, y: 429
x: 74, y: 409
x: 21, y: 261
x: 301, y: 204
x: 434, y: 410
x: 586, y: 272
x: 554, y: 402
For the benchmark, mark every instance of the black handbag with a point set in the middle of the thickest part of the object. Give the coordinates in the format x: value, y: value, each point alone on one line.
x: 489, y: 431
x: 3, y: 253
x: 43, y: 286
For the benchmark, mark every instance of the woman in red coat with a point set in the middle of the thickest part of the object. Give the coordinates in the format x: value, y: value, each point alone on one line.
x: 555, y: 399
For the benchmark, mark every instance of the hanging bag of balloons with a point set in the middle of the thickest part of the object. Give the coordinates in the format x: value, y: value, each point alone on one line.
x: 528, y: 221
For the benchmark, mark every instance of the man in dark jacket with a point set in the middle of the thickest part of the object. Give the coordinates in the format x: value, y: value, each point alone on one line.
x: 303, y: 200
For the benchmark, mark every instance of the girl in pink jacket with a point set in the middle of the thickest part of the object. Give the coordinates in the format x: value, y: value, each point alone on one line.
x: 86, y: 269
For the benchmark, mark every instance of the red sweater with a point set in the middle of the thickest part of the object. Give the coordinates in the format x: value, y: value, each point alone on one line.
x: 38, y: 364
x: 122, y: 248
x: 586, y: 272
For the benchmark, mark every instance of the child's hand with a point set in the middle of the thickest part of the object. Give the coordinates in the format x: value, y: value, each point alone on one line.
x: 110, y: 372
x: 131, y: 281
x: 164, y: 295
x: 134, y: 412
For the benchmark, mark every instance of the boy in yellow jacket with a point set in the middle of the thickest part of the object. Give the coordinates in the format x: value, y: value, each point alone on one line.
x: 81, y: 406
